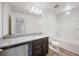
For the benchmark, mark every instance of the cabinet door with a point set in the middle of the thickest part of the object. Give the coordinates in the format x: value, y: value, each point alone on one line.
x: 40, y: 47
x: 45, y: 46
x: 16, y: 51
x: 37, y: 48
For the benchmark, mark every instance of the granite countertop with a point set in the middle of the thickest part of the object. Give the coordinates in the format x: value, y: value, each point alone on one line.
x: 19, y: 40
x: 20, y: 35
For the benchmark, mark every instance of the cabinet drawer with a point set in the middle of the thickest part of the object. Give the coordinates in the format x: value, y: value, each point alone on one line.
x: 37, y: 52
x: 37, y: 42
x: 34, y: 50
x: 36, y: 47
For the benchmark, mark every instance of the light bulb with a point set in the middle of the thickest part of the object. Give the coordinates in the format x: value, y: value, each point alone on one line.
x: 32, y: 9
x: 67, y: 12
x: 40, y: 11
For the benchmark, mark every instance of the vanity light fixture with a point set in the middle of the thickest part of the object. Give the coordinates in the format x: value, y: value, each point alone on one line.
x: 35, y: 10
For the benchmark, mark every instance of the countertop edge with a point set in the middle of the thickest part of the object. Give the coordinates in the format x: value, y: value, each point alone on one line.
x: 5, y: 46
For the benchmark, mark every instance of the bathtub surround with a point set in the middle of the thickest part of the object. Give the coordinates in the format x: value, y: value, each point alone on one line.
x: 68, y: 32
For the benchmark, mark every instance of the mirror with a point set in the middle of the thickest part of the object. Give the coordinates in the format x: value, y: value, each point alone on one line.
x: 18, y: 20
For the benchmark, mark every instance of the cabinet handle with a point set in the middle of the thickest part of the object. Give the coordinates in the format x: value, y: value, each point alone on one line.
x: 43, y: 46
x: 1, y: 50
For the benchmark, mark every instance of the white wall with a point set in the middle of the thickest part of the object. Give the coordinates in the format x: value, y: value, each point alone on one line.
x: 49, y: 24
x: 0, y: 19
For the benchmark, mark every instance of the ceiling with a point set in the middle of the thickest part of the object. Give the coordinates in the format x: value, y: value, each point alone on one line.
x: 46, y: 6
x: 64, y: 6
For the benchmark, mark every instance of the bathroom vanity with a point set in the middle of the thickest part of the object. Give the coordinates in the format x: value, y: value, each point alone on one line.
x: 38, y: 47
x: 25, y: 46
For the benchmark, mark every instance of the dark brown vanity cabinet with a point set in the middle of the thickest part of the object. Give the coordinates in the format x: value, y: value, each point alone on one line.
x: 38, y: 47
x: 45, y: 46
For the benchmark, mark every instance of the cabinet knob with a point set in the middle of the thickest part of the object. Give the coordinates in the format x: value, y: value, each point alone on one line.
x: 1, y: 50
